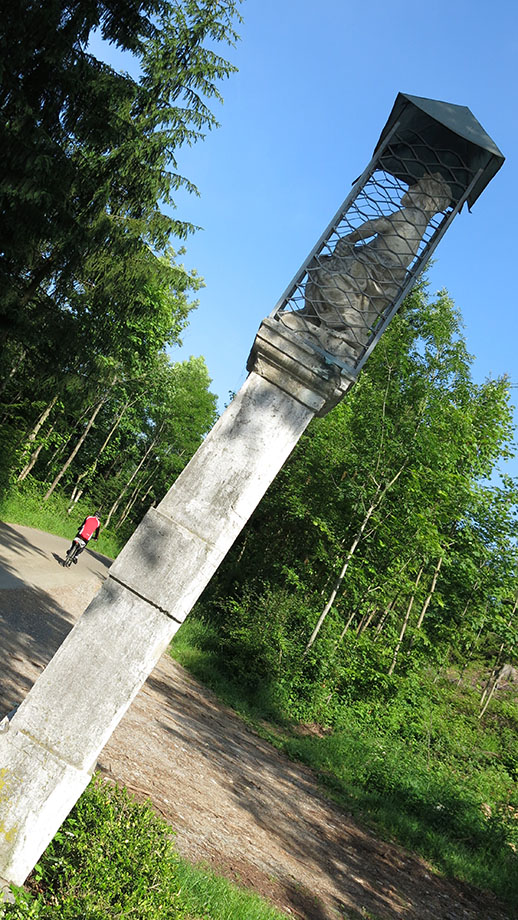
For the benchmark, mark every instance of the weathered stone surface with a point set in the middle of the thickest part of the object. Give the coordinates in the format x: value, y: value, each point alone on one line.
x: 49, y: 751
x: 290, y: 361
x: 86, y: 688
x: 32, y: 775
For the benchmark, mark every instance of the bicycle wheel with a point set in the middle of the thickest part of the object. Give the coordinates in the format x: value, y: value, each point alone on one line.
x: 71, y: 555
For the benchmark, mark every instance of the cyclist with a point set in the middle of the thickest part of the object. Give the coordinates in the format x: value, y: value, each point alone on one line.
x: 88, y: 529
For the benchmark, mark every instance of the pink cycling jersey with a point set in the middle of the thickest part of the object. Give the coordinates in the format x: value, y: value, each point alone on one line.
x: 88, y: 527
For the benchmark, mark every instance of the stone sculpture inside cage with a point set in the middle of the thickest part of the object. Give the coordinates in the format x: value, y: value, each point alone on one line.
x: 431, y: 159
x: 347, y: 291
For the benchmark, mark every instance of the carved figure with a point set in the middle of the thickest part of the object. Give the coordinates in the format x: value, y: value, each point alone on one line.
x: 348, y: 290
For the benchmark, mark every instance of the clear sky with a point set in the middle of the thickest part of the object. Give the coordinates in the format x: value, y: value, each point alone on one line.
x: 299, y: 122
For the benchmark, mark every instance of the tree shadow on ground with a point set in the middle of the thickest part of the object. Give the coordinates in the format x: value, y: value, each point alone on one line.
x: 325, y: 866
x: 18, y: 545
x: 32, y: 627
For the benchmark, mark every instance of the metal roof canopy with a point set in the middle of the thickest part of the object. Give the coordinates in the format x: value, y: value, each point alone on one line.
x: 443, y: 134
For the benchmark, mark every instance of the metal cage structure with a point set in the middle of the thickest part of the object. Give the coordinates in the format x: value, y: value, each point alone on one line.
x: 431, y: 159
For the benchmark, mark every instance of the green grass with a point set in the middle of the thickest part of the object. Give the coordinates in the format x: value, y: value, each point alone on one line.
x: 115, y: 859
x: 431, y: 807
x: 420, y: 769
x: 25, y: 505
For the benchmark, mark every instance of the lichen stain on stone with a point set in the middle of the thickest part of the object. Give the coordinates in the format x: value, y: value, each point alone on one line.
x: 7, y: 834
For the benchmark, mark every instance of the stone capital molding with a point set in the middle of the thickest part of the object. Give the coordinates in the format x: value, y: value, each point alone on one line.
x: 298, y: 367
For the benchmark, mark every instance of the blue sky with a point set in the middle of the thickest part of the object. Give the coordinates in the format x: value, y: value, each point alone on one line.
x: 299, y: 122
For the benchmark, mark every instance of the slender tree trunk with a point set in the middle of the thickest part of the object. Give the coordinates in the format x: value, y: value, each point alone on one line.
x: 31, y: 437
x: 366, y: 620
x: 489, y: 697
x: 472, y: 646
x: 384, y: 615
x: 430, y: 593
x: 492, y: 681
x: 14, y: 367
x: 359, y: 627
x: 130, y: 480
x: 76, y: 493
x: 61, y: 448
x: 489, y: 683
x: 390, y: 606
x: 339, y: 580
x: 30, y: 463
x: 79, y: 444
x: 346, y: 627
x: 146, y: 493
x: 113, y: 429
x: 33, y: 458
x: 41, y: 421
x: 131, y: 504
x: 114, y: 467
x: 133, y: 497
x: 380, y: 494
x: 127, y: 508
x: 242, y: 550
x: 405, y: 622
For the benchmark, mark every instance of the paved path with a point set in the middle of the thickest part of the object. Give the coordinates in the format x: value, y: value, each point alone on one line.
x: 39, y: 603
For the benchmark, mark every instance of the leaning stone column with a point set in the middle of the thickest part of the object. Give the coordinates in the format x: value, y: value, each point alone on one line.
x: 50, y: 749
x: 431, y: 159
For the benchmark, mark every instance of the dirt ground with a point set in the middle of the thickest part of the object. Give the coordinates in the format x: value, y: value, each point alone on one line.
x: 235, y: 803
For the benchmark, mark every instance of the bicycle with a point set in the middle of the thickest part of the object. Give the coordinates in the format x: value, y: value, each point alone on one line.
x: 77, y: 546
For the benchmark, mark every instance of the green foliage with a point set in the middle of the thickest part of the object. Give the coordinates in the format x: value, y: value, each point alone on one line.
x: 91, y: 293
x: 383, y: 544
x: 424, y: 771
x: 115, y: 858
x: 385, y: 553
x: 90, y: 152
x: 145, y: 430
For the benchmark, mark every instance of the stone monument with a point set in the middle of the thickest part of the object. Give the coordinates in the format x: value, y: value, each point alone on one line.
x: 431, y: 159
